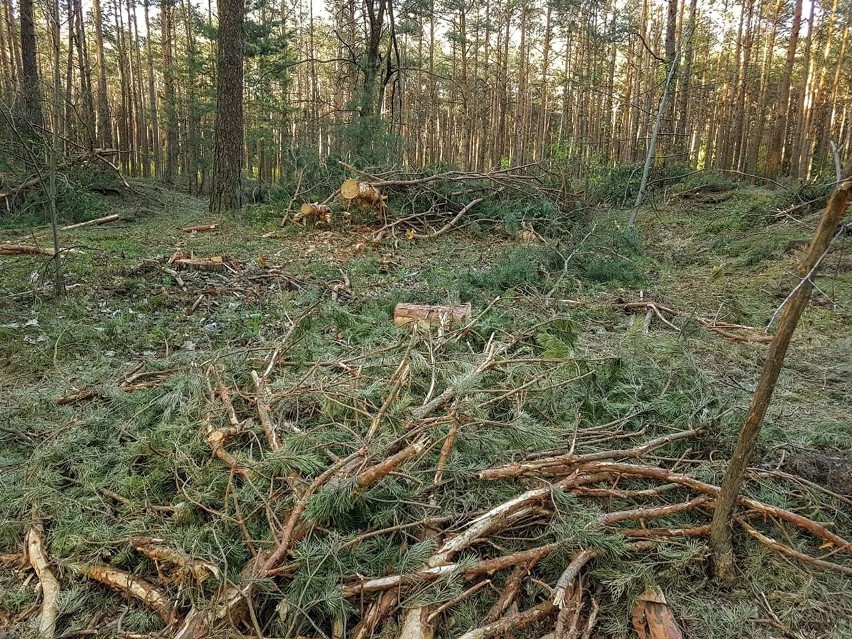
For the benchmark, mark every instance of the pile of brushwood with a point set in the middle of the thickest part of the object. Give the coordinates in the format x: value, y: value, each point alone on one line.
x: 429, y: 204
x: 353, y: 481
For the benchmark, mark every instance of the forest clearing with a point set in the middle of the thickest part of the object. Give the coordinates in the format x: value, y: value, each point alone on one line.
x: 445, y: 319
x: 172, y: 426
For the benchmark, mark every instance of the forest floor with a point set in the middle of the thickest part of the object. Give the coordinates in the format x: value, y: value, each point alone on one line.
x: 143, y: 338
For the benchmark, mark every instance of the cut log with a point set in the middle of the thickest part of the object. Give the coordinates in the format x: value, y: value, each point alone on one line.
x: 201, y: 264
x: 405, y: 314
x: 99, y: 220
x: 314, y: 210
x: 21, y: 249
x: 362, y: 193
x: 199, y: 228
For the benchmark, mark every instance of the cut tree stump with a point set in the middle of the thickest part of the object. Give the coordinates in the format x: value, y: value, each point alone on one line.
x: 319, y: 212
x: 405, y: 314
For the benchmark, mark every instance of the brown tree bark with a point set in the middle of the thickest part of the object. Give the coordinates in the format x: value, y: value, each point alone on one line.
x: 104, y: 121
x: 228, y: 135
x: 30, y: 81
x: 720, y: 537
x: 170, y: 103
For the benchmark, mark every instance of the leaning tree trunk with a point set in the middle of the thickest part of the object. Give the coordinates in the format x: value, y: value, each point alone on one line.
x: 228, y: 140
x: 797, y: 301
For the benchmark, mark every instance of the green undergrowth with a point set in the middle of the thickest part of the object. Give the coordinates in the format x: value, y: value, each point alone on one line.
x: 580, y: 374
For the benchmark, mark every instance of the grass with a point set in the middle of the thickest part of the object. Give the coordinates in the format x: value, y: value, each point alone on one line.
x: 123, y: 310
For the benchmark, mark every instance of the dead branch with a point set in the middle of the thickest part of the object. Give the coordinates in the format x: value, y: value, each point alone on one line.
x: 509, y: 592
x: 661, y: 474
x: 526, y: 558
x: 566, y: 579
x: 654, y: 512
x: 136, y: 587
x: 651, y: 533
x: 725, y: 329
x: 455, y: 600
x: 80, y: 396
x: 263, y: 411
x: 512, y: 622
x: 157, y: 550
x: 37, y: 555
x: 566, y: 461
x: 791, y: 552
x: 374, y: 473
x: 199, y: 228
x: 458, y: 216
x: 100, y: 220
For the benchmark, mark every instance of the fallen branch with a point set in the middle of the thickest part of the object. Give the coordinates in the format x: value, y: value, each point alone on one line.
x: 791, y: 552
x: 535, y: 467
x: 80, y: 396
x: 136, y: 587
x: 661, y: 474
x: 157, y: 550
x: 200, y: 228
x: 566, y: 579
x: 725, y: 329
x: 455, y: 600
x: 654, y: 512
x: 96, y: 221
x: 37, y: 555
x: 512, y: 622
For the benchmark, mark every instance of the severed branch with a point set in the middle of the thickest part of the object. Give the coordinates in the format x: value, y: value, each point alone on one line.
x: 37, y: 554
x: 735, y: 332
x: 157, y: 550
x: 100, y: 220
x: 513, y: 622
x: 534, y: 467
x: 791, y: 552
x: 136, y: 587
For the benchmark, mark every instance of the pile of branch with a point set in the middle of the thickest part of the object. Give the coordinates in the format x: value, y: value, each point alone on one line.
x: 735, y: 332
x: 437, y: 202
x: 389, y: 441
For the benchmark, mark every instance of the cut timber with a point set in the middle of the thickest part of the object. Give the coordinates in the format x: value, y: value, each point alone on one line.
x: 405, y: 314
x: 100, y: 220
x: 49, y: 585
x: 318, y: 212
x: 20, y: 249
x: 199, y: 228
x: 362, y: 193
x: 200, y: 263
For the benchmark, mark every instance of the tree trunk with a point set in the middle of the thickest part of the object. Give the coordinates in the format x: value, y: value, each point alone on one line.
x: 167, y: 33
x: 30, y: 82
x: 720, y: 537
x: 104, y: 123
x: 228, y: 135
x: 775, y: 151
